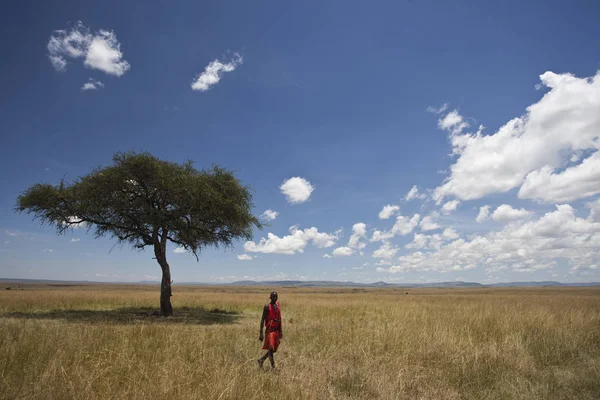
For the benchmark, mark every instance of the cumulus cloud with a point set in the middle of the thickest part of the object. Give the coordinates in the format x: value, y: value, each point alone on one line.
x: 379, y: 236
x: 244, y: 257
x: 484, y: 213
x: 428, y: 223
x: 423, y: 241
x: 522, y: 246
x: 548, y: 186
x: 342, y: 252
x: 530, y: 152
x: 100, y: 50
x: 414, y: 193
x: 403, y: 226
x: 179, y: 249
x: 388, y: 211
x: 92, y: 85
x: 269, y: 215
x: 104, y: 53
x: 359, y: 231
x: 293, y: 243
x: 450, y: 206
x: 505, y: 212
x: 453, y: 122
x: 327, y: 256
x: 594, y: 208
x: 386, y: 251
x: 213, y: 72
x: 297, y: 190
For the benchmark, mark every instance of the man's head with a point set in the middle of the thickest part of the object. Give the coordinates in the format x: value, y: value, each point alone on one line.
x: 273, y: 297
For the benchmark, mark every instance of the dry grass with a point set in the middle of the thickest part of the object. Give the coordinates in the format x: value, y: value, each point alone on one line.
x: 102, y: 342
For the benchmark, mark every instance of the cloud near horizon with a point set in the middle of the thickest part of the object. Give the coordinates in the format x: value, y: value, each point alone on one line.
x: 529, y: 154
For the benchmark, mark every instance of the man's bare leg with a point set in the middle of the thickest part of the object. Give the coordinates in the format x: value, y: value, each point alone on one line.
x: 263, y: 358
x: 270, y: 354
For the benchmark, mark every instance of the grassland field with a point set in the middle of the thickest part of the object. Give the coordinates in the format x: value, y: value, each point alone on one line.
x: 105, y: 342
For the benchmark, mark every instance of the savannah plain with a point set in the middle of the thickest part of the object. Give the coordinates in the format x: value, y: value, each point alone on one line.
x: 105, y: 342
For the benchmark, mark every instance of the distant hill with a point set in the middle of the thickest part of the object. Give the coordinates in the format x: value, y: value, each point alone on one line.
x: 543, y: 283
x: 352, y: 284
x: 451, y: 284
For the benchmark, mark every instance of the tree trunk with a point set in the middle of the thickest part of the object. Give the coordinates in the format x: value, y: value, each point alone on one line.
x: 160, y: 252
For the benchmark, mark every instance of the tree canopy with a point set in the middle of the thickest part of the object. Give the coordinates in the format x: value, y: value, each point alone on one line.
x: 144, y: 201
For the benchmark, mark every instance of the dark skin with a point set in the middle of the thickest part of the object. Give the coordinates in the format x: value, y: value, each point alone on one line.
x: 261, y: 337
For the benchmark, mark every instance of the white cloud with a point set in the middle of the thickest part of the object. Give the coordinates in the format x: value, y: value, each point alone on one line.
x: 505, y: 212
x: 244, y: 257
x: 179, y: 249
x: 75, y: 240
x: 294, y: 243
x: 100, y: 51
x: 213, y: 72
x: 327, y: 256
x: 269, y: 215
x: 92, y: 85
x: 440, y: 110
x: 342, y: 252
x: 453, y: 122
x: 386, y: 251
x: 579, y: 181
x: 359, y: 231
x: 379, y: 236
x: 414, y: 193
x: 521, y: 246
x: 422, y: 241
x: 594, y: 208
x: 388, y: 211
x: 428, y: 223
x: 297, y: 190
x: 104, y: 53
x: 49, y: 250
x: 450, y: 234
x: 450, y: 206
x: 527, y: 150
x: 9, y: 233
x: 484, y: 213
x: 403, y: 226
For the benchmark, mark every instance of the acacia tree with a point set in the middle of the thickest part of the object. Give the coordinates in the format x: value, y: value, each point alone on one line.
x: 144, y: 201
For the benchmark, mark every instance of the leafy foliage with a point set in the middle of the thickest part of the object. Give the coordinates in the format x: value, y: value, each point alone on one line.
x: 144, y: 201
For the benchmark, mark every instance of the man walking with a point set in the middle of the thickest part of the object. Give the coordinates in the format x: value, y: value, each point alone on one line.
x: 271, y: 319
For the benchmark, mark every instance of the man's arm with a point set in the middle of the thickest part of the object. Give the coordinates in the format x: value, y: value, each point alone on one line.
x: 262, y: 321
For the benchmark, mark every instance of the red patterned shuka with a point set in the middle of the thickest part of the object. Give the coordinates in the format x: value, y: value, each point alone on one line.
x: 273, y: 325
x: 273, y: 322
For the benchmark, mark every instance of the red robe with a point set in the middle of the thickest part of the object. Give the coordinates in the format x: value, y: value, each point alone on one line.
x: 273, y: 328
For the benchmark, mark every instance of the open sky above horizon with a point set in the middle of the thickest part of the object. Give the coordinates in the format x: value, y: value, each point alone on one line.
x: 398, y: 141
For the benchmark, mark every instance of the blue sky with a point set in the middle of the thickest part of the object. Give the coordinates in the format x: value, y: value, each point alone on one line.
x: 361, y: 100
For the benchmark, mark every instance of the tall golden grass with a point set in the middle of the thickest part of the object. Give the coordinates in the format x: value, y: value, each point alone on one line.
x: 103, y: 342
